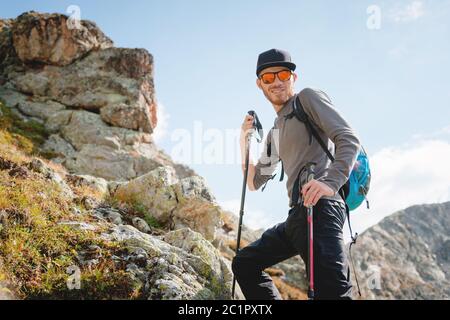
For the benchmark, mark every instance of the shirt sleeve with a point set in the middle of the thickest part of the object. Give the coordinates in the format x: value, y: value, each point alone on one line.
x: 320, y: 109
x: 266, y: 166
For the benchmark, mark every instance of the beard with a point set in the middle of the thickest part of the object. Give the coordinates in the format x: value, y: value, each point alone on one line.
x: 279, y: 98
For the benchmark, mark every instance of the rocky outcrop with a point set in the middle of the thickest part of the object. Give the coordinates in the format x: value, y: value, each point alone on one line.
x: 96, y: 101
x: 94, y: 110
x: 175, y: 203
x: 157, y: 264
x: 183, y: 266
x: 8, y: 55
x: 406, y: 255
x: 115, y: 82
x: 52, y: 39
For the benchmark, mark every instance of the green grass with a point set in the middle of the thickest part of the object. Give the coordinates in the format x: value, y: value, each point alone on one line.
x: 35, y: 249
x: 27, y: 136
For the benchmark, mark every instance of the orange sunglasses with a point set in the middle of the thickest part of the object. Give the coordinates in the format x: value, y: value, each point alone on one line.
x: 269, y: 77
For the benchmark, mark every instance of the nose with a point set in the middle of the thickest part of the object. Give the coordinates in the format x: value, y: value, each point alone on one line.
x: 277, y: 84
x: 277, y: 81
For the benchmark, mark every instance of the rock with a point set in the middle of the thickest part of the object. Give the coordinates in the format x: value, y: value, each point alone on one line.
x: 59, y: 147
x: 106, y: 162
x: 48, y: 39
x: 79, y: 225
x: 99, y: 106
x: 75, y: 210
x: 87, y: 128
x: 32, y: 82
x: 90, y: 256
x: 199, y: 215
x: 56, y: 121
x: 114, y: 217
x: 113, y: 185
x: 109, y: 214
x: 141, y: 225
x: 89, y: 202
x: 98, y: 184
x: 95, y: 82
x: 8, y: 55
x: 137, y: 273
x: 173, y: 272
x: 195, y: 186
x: 195, y: 243
x: 110, y: 137
x: 19, y: 172
x: 404, y: 256
x: 11, y: 97
x: 41, y: 167
x: 153, y: 190
x: 41, y: 110
x: 138, y: 256
x: 6, y: 164
x: 108, y: 152
x: 174, y: 203
x: 183, y: 171
x: 294, y: 272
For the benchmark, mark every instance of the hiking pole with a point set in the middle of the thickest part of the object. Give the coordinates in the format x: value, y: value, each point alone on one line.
x: 308, y: 170
x: 257, y: 125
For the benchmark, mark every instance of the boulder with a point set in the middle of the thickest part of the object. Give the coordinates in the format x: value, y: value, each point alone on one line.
x: 42, y: 110
x: 115, y: 82
x: 49, y: 38
x: 95, y: 183
x: 174, y: 203
x: 171, y: 272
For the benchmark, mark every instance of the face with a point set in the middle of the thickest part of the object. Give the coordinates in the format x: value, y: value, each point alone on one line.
x: 278, y: 92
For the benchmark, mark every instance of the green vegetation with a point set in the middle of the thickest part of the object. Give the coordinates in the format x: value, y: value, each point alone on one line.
x: 35, y: 248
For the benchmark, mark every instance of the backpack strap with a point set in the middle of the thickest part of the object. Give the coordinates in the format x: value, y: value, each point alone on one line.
x: 342, y: 192
x: 301, y: 115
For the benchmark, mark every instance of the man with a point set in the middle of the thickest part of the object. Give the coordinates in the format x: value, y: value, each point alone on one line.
x: 292, y: 145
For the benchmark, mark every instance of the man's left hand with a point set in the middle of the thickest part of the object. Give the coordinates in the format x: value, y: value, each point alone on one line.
x: 313, y: 191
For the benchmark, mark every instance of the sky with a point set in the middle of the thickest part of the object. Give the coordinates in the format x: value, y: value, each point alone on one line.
x: 385, y: 65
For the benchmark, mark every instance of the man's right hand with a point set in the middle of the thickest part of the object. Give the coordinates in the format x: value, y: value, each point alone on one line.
x: 247, y: 125
x: 246, y: 128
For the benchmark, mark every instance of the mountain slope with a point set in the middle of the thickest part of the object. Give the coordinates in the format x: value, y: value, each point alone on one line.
x: 407, y: 255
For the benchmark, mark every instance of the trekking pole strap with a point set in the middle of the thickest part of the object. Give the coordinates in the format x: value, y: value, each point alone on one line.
x: 354, y: 238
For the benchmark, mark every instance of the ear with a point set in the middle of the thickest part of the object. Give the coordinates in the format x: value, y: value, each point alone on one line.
x: 258, y: 83
x: 295, y: 77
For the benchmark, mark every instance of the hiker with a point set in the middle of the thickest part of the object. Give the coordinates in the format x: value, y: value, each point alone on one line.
x: 291, y: 144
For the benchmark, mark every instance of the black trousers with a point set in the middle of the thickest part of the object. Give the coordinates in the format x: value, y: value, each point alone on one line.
x: 287, y: 239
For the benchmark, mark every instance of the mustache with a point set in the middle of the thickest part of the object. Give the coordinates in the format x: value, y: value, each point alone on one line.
x: 276, y: 88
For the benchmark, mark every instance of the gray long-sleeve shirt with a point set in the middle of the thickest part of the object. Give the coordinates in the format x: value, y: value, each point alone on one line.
x: 290, y: 143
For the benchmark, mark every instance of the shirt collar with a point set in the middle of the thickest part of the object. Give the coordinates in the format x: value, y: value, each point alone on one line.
x: 286, y: 108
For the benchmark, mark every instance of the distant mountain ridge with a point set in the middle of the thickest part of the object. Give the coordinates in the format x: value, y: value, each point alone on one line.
x: 407, y: 255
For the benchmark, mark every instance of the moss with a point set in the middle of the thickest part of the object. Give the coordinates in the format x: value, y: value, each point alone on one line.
x: 27, y: 136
